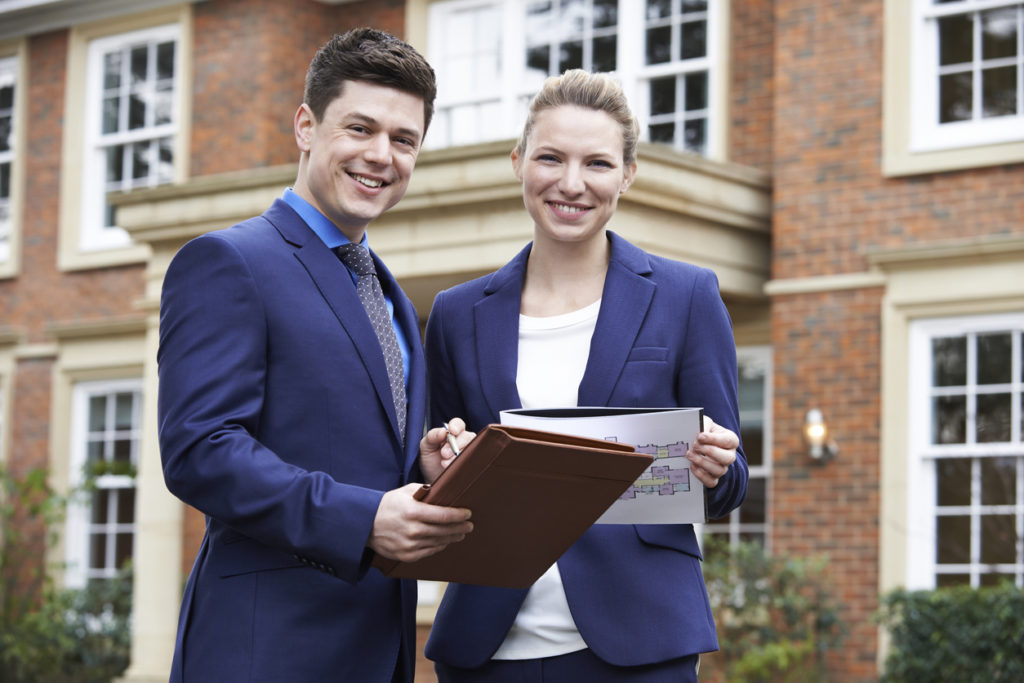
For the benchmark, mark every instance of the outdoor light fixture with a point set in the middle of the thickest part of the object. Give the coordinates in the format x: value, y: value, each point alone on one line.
x: 819, y: 447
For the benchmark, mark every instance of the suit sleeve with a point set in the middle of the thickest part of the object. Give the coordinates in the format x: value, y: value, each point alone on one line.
x: 709, y: 379
x: 445, y: 398
x: 212, y: 363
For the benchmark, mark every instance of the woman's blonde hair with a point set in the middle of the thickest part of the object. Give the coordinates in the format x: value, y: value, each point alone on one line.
x: 580, y: 88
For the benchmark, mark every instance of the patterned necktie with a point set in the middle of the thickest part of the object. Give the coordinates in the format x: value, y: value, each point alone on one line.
x: 358, y: 259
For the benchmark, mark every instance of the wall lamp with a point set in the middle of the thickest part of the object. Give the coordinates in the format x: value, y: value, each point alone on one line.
x: 819, y: 446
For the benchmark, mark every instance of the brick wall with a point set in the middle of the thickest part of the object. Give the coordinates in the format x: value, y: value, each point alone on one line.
x: 751, y: 57
x: 250, y: 65
x: 831, y: 205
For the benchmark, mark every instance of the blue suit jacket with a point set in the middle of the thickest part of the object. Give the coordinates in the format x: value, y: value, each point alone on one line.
x: 276, y: 421
x: 663, y: 338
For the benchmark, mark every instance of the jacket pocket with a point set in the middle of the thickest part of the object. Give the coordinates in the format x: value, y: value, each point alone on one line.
x: 679, y: 537
x: 648, y: 354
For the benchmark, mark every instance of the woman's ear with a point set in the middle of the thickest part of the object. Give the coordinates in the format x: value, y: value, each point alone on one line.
x: 517, y: 164
x: 628, y: 174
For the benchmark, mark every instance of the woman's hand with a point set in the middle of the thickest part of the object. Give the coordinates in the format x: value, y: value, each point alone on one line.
x: 714, y: 451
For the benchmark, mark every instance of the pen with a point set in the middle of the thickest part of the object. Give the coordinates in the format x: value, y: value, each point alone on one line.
x: 451, y: 440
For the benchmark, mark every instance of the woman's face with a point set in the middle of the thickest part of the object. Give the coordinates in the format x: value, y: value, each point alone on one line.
x: 572, y: 173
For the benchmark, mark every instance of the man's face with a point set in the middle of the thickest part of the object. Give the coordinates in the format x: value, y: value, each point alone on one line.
x: 360, y: 157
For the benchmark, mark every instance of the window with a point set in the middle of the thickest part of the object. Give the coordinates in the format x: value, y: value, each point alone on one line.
x: 492, y: 56
x: 967, y: 72
x: 106, y: 425
x: 966, y: 504
x: 8, y: 87
x: 749, y: 522
x: 130, y: 125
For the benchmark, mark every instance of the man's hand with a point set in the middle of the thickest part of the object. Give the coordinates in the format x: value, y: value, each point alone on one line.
x: 406, y: 529
x: 714, y: 451
x: 435, y: 453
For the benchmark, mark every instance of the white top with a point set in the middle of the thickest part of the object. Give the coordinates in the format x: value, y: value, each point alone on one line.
x: 553, y: 354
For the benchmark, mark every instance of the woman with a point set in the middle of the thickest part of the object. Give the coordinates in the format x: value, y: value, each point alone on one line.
x: 582, y: 317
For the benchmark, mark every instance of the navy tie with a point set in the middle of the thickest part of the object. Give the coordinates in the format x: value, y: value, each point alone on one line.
x: 358, y: 259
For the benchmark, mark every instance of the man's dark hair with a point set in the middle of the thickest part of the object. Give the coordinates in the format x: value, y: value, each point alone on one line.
x: 365, y: 54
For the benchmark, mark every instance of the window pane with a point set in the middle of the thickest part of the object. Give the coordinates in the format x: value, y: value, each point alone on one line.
x: 753, y: 509
x: 993, y: 418
x: 695, y: 5
x: 659, y: 45
x: 696, y: 91
x: 97, y: 551
x: 604, y: 53
x: 162, y: 107
x: 663, y: 132
x: 695, y: 133
x: 694, y: 40
x: 998, y: 539
x: 140, y: 161
x: 999, y: 33
x: 538, y: 59
x: 994, y: 358
x: 999, y: 91
x: 115, y: 163
x: 110, y: 114
x: 165, y: 173
x: 122, y: 450
x: 97, y: 413
x: 949, y: 361
x: 953, y: 481
x: 139, y: 58
x: 122, y: 551
x: 955, y: 97
x: 606, y: 13
x: 663, y: 95
x: 752, y: 434
x: 5, y: 181
x: 136, y: 112
x: 949, y: 419
x: 570, y: 56
x: 948, y: 580
x: 956, y: 40
x: 111, y: 70
x: 126, y: 506
x: 123, y: 405
x: 165, y: 61
x: 658, y: 9
x: 573, y: 16
x: 998, y: 481
x: 100, y: 503
x: 94, y: 451
x: 953, y: 545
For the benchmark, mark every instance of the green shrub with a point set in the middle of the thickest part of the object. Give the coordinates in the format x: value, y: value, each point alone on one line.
x: 776, y: 616
x: 957, y: 634
x: 57, y: 636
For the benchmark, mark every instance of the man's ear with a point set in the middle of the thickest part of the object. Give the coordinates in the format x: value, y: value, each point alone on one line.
x: 304, y: 124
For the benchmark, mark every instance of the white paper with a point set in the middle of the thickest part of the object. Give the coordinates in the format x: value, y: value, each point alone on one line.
x: 667, y: 492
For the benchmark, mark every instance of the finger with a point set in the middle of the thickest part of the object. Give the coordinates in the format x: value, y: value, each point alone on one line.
x: 456, y: 426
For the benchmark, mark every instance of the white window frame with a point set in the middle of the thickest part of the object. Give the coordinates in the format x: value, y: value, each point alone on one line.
x: 79, y: 514
x: 927, y: 134
x: 513, y: 89
x: 732, y: 527
x: 9, y: 74
x: 94, y: 235
x: 13, y: 61
x: 921, y: 510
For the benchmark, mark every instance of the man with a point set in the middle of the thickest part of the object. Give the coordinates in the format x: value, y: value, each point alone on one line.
x: 279, y: 418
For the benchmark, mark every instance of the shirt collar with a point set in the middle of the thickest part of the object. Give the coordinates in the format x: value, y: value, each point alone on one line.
x: 327, y: 231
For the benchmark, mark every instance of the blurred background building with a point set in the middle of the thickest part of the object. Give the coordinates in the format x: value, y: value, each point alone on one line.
x: 850, y: 169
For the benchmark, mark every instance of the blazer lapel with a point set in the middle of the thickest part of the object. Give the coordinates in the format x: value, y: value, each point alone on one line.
x: 335, y: 285
x: 496, y: 320
x: 627, y: 296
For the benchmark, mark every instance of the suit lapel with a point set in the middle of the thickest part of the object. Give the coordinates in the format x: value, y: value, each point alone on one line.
x: 335, y: 285
x: 496, y: 320
x: 627, y: 296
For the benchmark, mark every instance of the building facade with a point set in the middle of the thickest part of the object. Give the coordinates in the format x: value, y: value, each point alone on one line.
x: 851, y: 170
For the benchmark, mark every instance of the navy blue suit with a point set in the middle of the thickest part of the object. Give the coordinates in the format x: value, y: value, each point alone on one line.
x: 663, y: 338
x: 276, y: 422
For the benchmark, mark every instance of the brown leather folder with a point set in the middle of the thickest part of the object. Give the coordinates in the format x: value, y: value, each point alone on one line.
x: 532, y: 493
